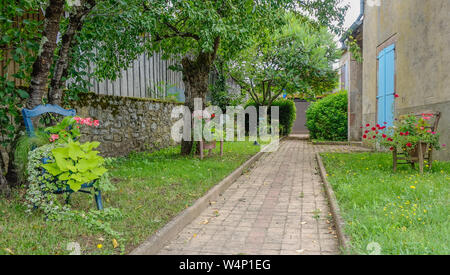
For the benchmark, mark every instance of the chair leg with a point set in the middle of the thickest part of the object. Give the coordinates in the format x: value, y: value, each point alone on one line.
x: 68, y: 198
x: 430, y: 157
x: 201, y: 148
x: 421, y: 160
x: 98, y: 199
x: 394, y: 155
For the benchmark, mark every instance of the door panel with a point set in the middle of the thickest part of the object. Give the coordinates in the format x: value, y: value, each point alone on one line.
x: 386, y: 86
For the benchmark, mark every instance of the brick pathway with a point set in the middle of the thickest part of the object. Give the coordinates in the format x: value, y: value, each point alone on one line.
x: 278, y: 207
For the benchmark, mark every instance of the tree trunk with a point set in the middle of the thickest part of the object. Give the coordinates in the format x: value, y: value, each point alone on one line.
x: 41, y: 67
x: 76, y: 20
x: 196, y: 81
x: 4, y: 188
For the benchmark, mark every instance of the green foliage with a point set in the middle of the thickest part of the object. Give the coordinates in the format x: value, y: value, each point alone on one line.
x: 76, y: 164
x: 220, y: 94
x: 296, y: 58
x: 288, y: 114
x: 24, y: 145
x: 327, y: 118
x: 66, y: 129
x: 19, y: 43
x: 354, y: 49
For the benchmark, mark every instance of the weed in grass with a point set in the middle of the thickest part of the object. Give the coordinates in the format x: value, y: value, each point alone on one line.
x: 316, y: 213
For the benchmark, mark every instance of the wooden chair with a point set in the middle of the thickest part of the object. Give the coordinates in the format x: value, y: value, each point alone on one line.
x: 428, y: 155
x: 28, y: 115
x: 205, y: 146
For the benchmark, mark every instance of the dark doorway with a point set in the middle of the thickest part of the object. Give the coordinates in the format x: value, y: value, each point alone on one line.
x: 299, y: 127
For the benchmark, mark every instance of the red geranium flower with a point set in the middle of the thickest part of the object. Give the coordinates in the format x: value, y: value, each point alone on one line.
x: 374, y: 129
x: 384, y: 136
x: 367, y: 125
x: 392, y: 148
x: 409, y: 144
x: 396, y: 96
x: 213, y: 115
x: 364, y: 136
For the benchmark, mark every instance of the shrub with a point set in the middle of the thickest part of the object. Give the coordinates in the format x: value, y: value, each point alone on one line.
x: 326, y: 119
x: 287, y: 117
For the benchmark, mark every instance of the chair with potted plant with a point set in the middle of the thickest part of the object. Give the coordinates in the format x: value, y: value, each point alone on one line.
x: 28, y: 116
x: 423, y: 150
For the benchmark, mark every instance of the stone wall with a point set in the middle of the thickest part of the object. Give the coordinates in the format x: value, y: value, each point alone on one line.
x: 126, y: 124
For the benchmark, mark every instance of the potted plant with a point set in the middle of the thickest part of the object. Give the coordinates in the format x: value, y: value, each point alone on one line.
x: 408, y: 133
x: 207, y: 121
x: 64, y: 165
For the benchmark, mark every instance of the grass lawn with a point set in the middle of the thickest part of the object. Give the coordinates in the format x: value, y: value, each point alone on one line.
x: 404, y: 212
x: 152, y: 189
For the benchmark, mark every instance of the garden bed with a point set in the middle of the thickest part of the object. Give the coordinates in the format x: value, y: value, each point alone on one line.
x: 403, y: 212
x: 152, y: 188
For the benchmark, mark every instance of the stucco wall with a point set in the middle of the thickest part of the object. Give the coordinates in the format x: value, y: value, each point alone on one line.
x: 354, y: 89
x: 422, y: 31
x: 126, y: 124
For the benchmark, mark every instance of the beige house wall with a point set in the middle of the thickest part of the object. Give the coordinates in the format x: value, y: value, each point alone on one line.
x: 421, y: 29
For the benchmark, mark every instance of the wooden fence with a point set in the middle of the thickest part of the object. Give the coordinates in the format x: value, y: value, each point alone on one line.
x: 146, y: 77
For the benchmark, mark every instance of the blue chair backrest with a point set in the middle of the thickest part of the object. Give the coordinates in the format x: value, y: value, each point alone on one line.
x: 43, y: 109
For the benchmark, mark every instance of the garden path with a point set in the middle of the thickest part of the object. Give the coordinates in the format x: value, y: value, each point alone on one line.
x: 278, y: 207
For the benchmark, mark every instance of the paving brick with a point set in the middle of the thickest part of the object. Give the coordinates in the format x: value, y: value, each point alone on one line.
x: 268, y: 210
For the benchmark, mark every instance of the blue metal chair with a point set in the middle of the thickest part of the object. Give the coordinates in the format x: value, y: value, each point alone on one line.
x: 49, y: 108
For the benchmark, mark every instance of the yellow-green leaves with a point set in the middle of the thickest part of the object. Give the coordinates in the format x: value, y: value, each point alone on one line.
x: 76, y: 164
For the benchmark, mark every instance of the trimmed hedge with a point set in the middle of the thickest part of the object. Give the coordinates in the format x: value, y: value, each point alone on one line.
x: 326, y: 119
x: 288, y: 114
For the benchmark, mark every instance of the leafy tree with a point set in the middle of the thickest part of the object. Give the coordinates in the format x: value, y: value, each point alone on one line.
x: 197, y: 31
x: 296, y: 59
x: 220, y: 91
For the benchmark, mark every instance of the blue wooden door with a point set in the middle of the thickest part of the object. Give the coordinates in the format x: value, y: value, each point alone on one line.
x: 386, y: 86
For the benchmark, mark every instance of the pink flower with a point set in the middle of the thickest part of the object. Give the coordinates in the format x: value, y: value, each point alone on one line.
x: 53, y: 137
x: 422, y: 128
x: 434, y: 133
x: 429, y: 131
x: 78, y: 119
x: 87, y: 121
x: 444, y: 145
x: 96, y: 123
